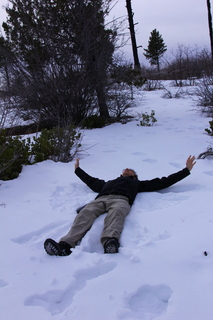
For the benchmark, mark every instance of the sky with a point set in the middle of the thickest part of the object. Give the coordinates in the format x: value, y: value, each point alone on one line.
x: 179, y: 22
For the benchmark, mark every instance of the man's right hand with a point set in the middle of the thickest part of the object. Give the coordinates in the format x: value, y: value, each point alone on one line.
x: 76, y: 163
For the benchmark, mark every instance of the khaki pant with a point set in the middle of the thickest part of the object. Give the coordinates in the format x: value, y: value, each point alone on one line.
x: 117, y: 208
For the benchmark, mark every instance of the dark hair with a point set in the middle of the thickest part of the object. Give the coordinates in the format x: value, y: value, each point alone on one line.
x: 135, y: 174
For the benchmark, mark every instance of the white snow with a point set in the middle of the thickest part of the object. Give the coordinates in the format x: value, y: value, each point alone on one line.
x: 161, y: 271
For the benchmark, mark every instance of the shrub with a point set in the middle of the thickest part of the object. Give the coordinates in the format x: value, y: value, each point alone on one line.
x: 204, y: 93
x: 148, y: 120
x: 57, y: 144
x: 210, y: 131
x: 120, y: 104
x: 152, y: 85
x: 93, y: 122
x: 178, y: 94
x: 14, y: 153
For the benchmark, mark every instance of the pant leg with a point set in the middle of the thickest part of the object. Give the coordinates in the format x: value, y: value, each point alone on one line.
x: 118, y: 208
x: 84, y: 221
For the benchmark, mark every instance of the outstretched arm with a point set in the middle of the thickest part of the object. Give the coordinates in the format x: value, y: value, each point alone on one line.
x: 93, y: 183
x: 165, y: 182
x: 190, y: 162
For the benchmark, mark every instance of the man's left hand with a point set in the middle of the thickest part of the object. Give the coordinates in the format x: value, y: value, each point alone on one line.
x: 190, y: 162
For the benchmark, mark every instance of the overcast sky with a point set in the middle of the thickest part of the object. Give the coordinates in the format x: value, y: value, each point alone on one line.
x: 178, y: 21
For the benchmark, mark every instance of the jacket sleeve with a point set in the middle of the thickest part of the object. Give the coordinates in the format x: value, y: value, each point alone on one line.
x: 94, y: 184
x: 164, y: 182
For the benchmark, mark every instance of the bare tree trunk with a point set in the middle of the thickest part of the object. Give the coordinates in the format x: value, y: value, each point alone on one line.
x: 132, y: 33
x: 210, y: 26
x: 103, y: 109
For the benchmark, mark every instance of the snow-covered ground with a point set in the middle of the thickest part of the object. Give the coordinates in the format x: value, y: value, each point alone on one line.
x: 161, y: 271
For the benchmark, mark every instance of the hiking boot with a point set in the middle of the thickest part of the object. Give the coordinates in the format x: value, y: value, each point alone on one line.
x: 111, y: 246
x: 57, y: 249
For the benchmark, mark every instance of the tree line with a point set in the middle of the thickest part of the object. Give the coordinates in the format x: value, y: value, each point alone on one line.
x: 58, y: 61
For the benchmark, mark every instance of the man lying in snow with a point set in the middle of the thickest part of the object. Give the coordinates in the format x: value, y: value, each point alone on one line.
x: 114, y: 197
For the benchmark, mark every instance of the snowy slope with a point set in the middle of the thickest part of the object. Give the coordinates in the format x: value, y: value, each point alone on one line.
x: 161, y: 271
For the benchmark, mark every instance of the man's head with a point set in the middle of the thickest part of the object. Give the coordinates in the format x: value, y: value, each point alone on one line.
x: 129, y: 173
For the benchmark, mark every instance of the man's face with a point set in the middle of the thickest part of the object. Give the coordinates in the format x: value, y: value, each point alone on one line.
x: 128, y: 172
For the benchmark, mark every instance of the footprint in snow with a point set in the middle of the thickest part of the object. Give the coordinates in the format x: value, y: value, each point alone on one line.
x: 139, y: 153
x: 147, y: 302
x: 3, y: 283
x: 56, y: 301
x: 208, y: 173
x: 151, y: 161
x: 176, y: 165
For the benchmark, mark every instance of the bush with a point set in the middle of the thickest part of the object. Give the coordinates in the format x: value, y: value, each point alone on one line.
x: 204, y: 93
x: 178, y: 94
x: 148, y: 120
x: 93, y: 122
x: 119, y: 105
x: 14, y: 153
x: 210, y: 131
x: 57, y: 144
x: 152, y: 85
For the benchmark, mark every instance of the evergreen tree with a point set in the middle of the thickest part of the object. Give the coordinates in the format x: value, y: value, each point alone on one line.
x: 62, y: 51
x: 156, y: 48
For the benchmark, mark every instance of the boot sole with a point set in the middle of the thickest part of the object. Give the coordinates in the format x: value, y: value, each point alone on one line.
x: 52, y: 248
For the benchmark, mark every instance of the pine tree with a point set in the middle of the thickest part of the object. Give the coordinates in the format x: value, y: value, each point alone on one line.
x: 156, y: 48
x: 62, y: 52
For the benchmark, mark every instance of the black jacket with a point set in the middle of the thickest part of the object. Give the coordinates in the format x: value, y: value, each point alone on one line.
x: 128, y: 186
